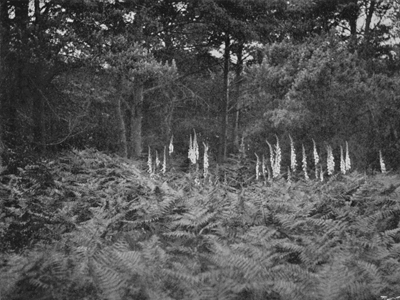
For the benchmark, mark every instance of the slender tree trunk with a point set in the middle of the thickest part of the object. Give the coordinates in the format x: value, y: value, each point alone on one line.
x: 222, y: 153
x: 168, y: 116
x: 1, y: 85
x: 38, y: 115
x: 38, y: 130
x: 136, y: 116
x: 369, y: 12
x: 352, y: 13
x: 238, y: 83
x: 122, y: 142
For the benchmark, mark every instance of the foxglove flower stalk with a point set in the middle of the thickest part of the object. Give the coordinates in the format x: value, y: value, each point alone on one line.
x: 257, y: 167
x: 263, y: 167
x: 305, y: 164
x: 342, y: 162
x: 205, y: 161
x: 171, y: 145
x: 347, y: 161
x: 157, y: 160
x: 321, y: 175
x: 190, y: 152
x: 149, y: 162
x: 293, y: 162
x: 164, y: 165
x: 382, y: 163
x: 195, y: 147
x: 316, y: 158
x: 330, y: 160
x: 271, y: 156
x: 278, y: 158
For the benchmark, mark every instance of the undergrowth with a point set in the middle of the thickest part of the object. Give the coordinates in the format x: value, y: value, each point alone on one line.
x: 90, y: 226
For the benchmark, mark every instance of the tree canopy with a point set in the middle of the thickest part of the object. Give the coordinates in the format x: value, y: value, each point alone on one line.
x: 124, y: 75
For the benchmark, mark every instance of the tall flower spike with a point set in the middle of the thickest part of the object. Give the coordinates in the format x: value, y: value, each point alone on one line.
x: 171, y: 145
x: 195, y: 147
x: 157, y: 160
x: 257, y: 167
x: 382, y: 163
x: 293, y: 162
x: 271, y: 157
x: 330, y: 160
x: 263, y: 166
x: 305, y: 163
x: 190, y: 152
x: 347, y: 161
x: 278, y: 158
x: 342, y: 162
x: 321, y: 175
x: 205, y: 160
x: 316, y: 158
x: 193, y: 150
x: 164, y: 165
x: 289, y: 176
x: 149, y: 162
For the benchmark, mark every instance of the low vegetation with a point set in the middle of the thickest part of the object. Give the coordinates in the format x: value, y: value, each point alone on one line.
x: 86, y: 225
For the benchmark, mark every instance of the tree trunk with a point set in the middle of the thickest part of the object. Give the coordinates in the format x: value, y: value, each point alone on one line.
x: 238, y: 83
x: 351, y: 13
x: 369, y: 12
x: 222, y: 153
x: 38, y: 130
x: 136, y: 115
x: 169, y: 109
x: 122, y: 142
x: 1, y: 85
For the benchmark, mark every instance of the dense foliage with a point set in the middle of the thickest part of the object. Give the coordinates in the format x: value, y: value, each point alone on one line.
x: 86, y: 225
x: 88, y: 88
x: 124, y: 75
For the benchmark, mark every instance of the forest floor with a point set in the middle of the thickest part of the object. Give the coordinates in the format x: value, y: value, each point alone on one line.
x: 86, y: 225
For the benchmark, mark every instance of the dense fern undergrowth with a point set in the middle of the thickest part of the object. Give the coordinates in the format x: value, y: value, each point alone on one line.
x: 90, y: 226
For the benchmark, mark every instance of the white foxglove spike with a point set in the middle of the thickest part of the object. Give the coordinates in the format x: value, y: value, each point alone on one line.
x: 342, y: 162
x: 321, y: 175
x: 157, y: 160
x: 192, y: 151
x: 195, y: 148
x: 382, y: 163
x: 190, y: 148
x: 278, y: 158
x: 271, y: 157
x: 171, y: 145
x: 293, y: 161
x: 263, y: 170
x: 347, y: 158
x: 164, y: 165
x: 257, y: 167
x: 304, y: 161
x: 316, y: 158
x: 205, y: 160
x: 149, y: 162
x: 330, y: 160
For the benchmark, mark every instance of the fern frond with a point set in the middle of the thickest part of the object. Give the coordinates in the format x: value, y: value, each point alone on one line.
x: 110, y: 281
x: 180, y: 234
